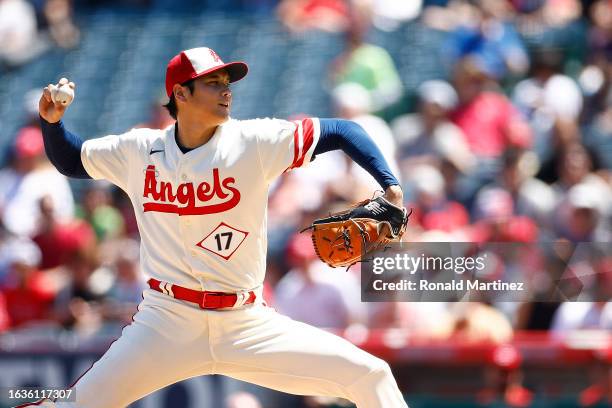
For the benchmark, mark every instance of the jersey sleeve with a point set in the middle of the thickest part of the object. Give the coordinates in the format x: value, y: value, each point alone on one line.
x: 286, y: 145
x: 109, y: 157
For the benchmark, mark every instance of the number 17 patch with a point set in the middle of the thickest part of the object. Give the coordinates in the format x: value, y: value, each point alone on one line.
x: 223, y: 240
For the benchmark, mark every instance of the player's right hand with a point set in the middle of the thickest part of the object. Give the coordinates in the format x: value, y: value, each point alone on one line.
x: 48, y: 110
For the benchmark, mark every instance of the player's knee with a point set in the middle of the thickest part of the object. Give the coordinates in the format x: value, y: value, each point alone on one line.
x: 379, y: 373
x: 383, y: 372
x: 380, y: 366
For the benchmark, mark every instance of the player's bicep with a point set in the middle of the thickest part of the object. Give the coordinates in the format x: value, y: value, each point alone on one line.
x: 285, y: 145
x: 107, y: 158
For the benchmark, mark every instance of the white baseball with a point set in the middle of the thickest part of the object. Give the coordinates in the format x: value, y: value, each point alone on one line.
x: 63, y: 94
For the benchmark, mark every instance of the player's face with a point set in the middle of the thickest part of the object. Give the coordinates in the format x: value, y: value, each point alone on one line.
x: 211, y: 98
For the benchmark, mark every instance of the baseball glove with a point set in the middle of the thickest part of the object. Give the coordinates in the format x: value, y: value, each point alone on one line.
x: 343, y: 238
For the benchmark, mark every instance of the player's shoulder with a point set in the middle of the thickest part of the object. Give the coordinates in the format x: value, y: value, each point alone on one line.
x: 134, y: 141
x: 146, y: 137
x: 261, y: 126
x: 147, y: 133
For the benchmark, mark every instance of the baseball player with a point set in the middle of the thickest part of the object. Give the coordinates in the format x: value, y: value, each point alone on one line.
x: 199, y: 190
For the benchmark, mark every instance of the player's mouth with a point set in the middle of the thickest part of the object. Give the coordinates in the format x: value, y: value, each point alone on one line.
x: 225, y: 105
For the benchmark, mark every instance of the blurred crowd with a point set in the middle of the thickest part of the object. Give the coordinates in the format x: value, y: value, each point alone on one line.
x: 29, y: 28
x: 514, y: 144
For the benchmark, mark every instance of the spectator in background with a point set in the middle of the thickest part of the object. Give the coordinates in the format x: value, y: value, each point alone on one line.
x: 27, y: 291
x: 369, y: 66
x: 428, y: 136
x: 353, y: 102
x: 78, y: 304
x: 497, y: 221
x: 305, y: 15
x: 5, y: 321
x: 531, y: 197
x: 596, y: 81
x: 284, y: 204
x: 479, y: 322
x: 59, y: 240
x: 582, y: 216
x: 290, y: 200
x: 422, y: 320
x: 589, y: 273
x: 297, y: 196
x: 538, y: 17
x: 61, y: 28
x: 113, y: 285
x: 123, y: 204
x: 600, y: 33
x: 489, y: 121
x: 572, y: 316
x: 28, y: 179
x: 575, y: 166
x: 551, y: 101
x: 432, y: 209
x: 304, y: 190
x: 447, y: 15
x: 490, y: 38
x: 388, y: 15
x: 96, y: 209
x: 5, y: 238
x: 327, y: 302
x: 127, y: 286
x: 598, y: 119
x: 30, y: 108
x: 19, y: 39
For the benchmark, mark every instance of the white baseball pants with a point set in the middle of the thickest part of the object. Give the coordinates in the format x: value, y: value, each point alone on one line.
x: 171, y: 340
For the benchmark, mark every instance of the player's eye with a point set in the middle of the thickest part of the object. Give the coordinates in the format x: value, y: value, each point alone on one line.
x: 217, y: 84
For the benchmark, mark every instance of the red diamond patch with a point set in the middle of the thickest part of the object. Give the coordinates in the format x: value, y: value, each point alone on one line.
x: 223, y: 240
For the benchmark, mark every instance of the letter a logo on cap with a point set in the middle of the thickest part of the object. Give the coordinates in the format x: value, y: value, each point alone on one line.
x: 215, y: 56
x: 197, y: 62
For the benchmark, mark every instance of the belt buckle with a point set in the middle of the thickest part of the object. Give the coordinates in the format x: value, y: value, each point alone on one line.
x: 210, y: 295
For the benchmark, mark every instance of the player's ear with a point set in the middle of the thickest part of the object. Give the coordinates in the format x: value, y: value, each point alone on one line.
x: 179, y: 92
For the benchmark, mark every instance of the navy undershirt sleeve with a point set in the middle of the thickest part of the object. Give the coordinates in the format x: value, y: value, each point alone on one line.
x: 63, y: 149
x: 356, y: 143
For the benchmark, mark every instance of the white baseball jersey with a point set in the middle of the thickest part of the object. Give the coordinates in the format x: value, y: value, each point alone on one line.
x: 202, y: 214
x: 202, y: 219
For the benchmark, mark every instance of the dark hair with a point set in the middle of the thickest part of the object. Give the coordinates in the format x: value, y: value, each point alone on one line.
x: 171, y: 105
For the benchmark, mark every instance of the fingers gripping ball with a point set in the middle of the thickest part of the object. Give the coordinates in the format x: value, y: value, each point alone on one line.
x: 344, y: 237
x: 62, y: 94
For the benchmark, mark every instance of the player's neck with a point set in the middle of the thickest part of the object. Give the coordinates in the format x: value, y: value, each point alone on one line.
x: 193, y: 134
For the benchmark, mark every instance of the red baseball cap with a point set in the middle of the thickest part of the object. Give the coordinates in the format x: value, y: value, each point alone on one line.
x: 196, y: 62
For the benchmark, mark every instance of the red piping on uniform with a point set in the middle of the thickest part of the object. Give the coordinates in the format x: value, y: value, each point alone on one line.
x: 308, y: 133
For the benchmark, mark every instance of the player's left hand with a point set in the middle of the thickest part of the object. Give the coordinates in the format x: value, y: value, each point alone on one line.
x: 395, y: 196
